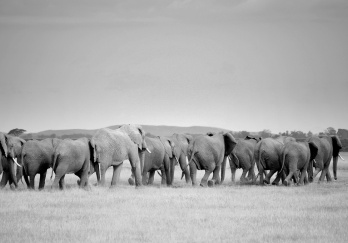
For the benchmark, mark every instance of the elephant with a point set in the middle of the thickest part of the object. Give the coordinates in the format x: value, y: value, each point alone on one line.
x: 328, y: 147
x: 243, y: 157
x: 72, y: 156
x: 209, y: 152
x: 112, y: 147
x: 182, y: 142
x: 11, y: 148
x: 37, y: 157
x: 162, y: 158
x: 296, y: 157
x: 268, y: 156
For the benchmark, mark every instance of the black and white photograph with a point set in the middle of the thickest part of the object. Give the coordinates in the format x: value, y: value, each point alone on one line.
x: 174, y: 121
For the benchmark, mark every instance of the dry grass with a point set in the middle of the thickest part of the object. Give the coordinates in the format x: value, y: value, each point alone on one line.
x: 238, y: 213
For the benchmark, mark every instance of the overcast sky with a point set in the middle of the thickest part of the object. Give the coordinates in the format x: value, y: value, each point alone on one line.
x: 235, y: 64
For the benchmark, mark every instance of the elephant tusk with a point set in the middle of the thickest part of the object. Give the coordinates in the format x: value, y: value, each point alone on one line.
x: 15, y: 160
x: 341, y: 157
x: 229, y: 157
x: 186, y: 161
x: 315, y: 163
x: 176, y: 159
x: 148, y: 150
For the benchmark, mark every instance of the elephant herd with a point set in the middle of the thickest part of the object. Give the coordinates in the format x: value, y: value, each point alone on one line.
x: 290, y: 159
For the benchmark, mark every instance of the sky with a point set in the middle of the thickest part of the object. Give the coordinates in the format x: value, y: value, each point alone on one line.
x: 234, y: 64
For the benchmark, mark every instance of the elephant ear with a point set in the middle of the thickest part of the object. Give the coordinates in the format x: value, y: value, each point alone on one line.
x: 230, y: 143
x: 313, y: 150
x: 136, y: 134
x: 167, y: 143
x: 336, y: 145
x: 3, y: 144
x: 188, y: 138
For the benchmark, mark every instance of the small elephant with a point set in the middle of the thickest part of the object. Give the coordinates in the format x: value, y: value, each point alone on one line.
x: 37, y: 157
x: 328, y: 147
x: 11, y: 148
x: 112, y: 147
x: 72, y: 156
x: 182, y: 142
x: 161, y: 158
x: 296, y: 157
x: 242, y: 156
x: 208, y: 152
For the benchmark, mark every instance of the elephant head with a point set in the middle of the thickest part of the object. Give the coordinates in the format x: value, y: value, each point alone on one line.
x: 14, y: 150
x: 336, y: 147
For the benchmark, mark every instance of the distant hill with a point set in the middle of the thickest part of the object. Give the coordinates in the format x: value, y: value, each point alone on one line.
x: 155, y: 130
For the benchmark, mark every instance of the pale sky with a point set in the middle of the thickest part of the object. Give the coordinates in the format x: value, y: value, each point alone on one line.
x: 234, y: 64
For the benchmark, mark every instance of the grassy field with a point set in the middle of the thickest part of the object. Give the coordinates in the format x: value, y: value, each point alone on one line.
x: 227, y: 213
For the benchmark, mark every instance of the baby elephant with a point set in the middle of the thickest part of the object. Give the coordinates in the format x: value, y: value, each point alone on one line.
x: 72, y: 156
x: 296, y: 157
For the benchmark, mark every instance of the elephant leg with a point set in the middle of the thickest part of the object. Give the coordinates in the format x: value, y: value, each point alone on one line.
x: 4, y: 180
x: 193, y: 174
x: 32, y: 181
x: 233, y: 171
x: 84, y: 179
x: 116, y: 174
x: 103, y: 169
x: 269, y: 176
x: 151, y: 177
x: 62, y: 183
x: 204, y: 180
x: 306, y: 181
x: 242, y: 177
x: 303, y: 175
x: 277, y: 179
x: 42, y: 180
x: 131, y: 179
x: 216, y: 176
x: 163, y: 179
x: 166, y: 166
x: 143, y: 177
x: 328, y: 175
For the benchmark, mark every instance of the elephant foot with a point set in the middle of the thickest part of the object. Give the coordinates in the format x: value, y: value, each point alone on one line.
x: 275, y: 183
x: 211, y: 183
x: 131, y: 181
x: 266, y: 181
x: 78, y: 182
x: 335, y: 178
x: 286, y: 183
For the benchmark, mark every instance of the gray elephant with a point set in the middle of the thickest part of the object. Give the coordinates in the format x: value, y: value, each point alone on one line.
x: 268, y: 156
x: 209, y: 152
x: 11, y: 148
x: 242, y: 156
x: 328, y: 147
x: 37, y: 157
x: 296, y: 157
x: 72, y: 156
x: 112, y: 147
x: 182, y: 142
x: 162, y: 158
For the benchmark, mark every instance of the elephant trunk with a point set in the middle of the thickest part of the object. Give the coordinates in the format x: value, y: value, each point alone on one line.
x: 334, y: 167
x: 55, y: 158
x: 97, y: 171
x: 223, y: 169
x: 142, y: 160
x: 137, y: 174
x: 172, y: 169
x: 183, y: 161
x: 12, y: 171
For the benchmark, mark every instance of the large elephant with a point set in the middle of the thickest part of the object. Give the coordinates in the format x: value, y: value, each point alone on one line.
x: 11, y: 148
x: 182, y: 142
x: 296, y: 157
x: 162, y: 158
x: 112, y: 147
x: 268, y: 156
x: 37, y: 157
x: 209, y: 152
x: 72, y: 156
x: 242, y: 156
x: 328, y: 147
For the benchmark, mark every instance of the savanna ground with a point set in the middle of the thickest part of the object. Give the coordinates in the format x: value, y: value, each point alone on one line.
x: 227, y: 213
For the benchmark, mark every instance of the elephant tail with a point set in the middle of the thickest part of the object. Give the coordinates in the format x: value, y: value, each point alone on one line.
x: 262, y: 159
x: 25, y: 174
x: 283, y: 162
x: 55, y: 158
